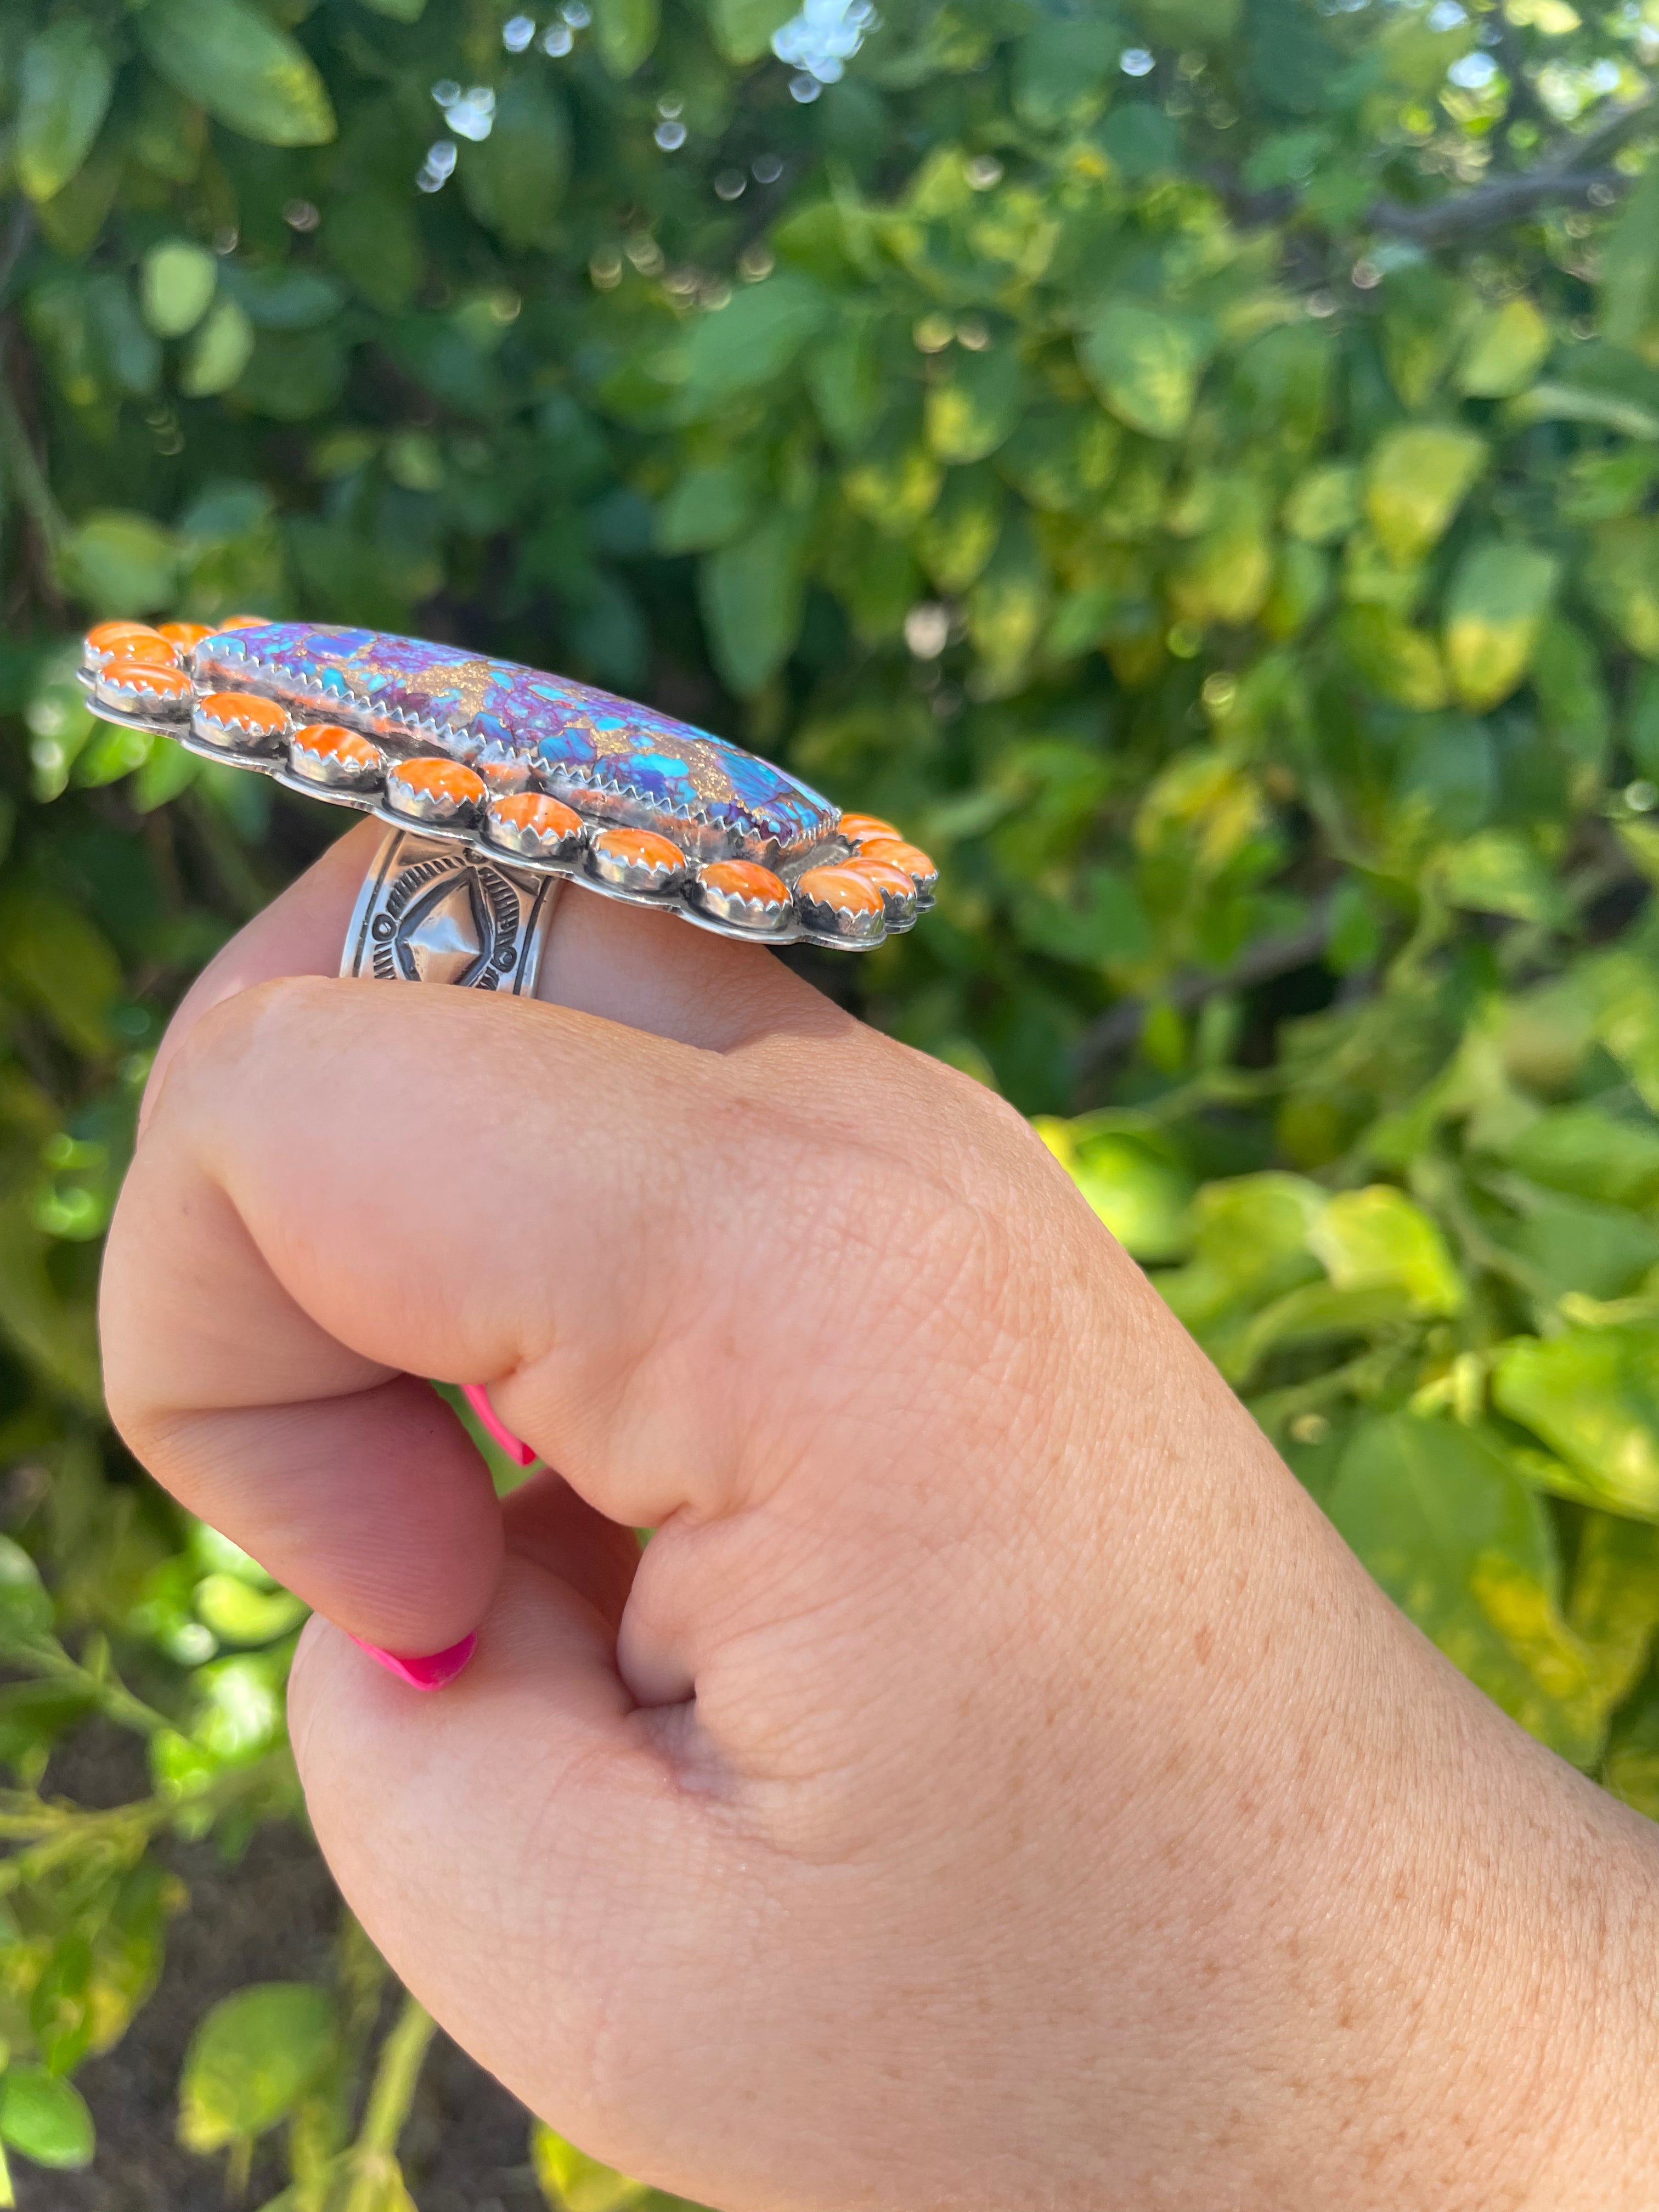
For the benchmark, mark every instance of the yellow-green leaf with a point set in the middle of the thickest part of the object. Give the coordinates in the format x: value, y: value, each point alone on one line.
x: 1505, y: 350
x: 231, y: 58
x: 250, y: 2061
x: 625, y: 32
x: 1621, y: 578
x: 1378, y: 1238
x: 177, y: 283
x: 64, y: 91
x: 971, y: 410
x: 1416, y: 480
x: 1145, y: 365
x: 742, y: 28
x: 572, y: 2182
x: 46, y: 2118
x: 1592, y: 1396
x: 1499, y: 596
x: 1462, y: 1546
x: 1132, y: 1177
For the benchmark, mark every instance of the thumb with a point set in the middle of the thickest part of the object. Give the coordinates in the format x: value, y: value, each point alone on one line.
x: 525, y: 1852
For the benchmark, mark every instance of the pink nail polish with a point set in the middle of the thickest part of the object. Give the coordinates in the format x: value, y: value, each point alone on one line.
x: 428, y: 1674
x: 479, y: 1397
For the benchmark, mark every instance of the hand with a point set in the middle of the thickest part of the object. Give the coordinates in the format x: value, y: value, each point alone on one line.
x: 994, y: 1786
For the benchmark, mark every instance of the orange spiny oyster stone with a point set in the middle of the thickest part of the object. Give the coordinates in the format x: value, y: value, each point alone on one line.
x: 921, y: 871
x: 324, y: 753
x: 185, y: 635
x: 534, y: 826
x: 897, y: 886
x: 635, y: 859
x: 434, y: 790
x: 153, y: 648
x: 239, y: 718
x: 860, y: 829
x: 238, y: 621
x: 743, y: 894
x: 107, y: 638
x: 842, y: 902
x: 142, y: 686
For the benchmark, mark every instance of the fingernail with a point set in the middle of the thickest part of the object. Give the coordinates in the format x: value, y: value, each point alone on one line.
x: 428, y: 1674
x: 479, y: 1397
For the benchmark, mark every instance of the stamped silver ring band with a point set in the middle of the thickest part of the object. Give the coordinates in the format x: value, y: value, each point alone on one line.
x: 441, y: 913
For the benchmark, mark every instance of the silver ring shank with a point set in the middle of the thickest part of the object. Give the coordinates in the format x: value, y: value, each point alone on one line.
x: 441, y: 913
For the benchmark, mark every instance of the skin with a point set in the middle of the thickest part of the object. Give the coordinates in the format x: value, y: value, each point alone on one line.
x: 995, y: 1785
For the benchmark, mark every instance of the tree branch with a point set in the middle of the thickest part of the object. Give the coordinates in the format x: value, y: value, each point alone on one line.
x: 1117, y: 1029
x: 1577, y: 172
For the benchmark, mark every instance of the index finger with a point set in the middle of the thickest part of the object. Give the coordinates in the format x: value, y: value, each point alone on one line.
x: 343, y: 1185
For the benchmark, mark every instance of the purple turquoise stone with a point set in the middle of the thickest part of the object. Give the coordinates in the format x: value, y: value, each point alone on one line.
x: 611, y: 759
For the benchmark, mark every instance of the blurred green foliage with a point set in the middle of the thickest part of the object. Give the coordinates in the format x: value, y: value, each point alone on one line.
x: 1195, y: 465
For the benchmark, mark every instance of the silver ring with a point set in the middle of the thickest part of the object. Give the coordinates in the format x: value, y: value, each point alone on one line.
x: 442, y: 912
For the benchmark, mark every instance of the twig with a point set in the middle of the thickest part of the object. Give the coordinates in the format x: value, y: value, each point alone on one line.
x: 1523, y: 104
x: 1577, y: 171
x: 19, y: 231
x: 371, y: 2160
x: 1116, y: 1031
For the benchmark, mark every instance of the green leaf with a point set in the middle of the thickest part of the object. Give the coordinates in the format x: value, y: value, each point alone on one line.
x: 64, y: 85
x: 1592, y: 1396
x: 1497, y: 872
x: 572, y: 2182
x: 45, y: 2118
x: 625, y: 32
x: 292, y: 375
x: 515, y: 182
x: 709, y: 505
x: 1250, y: 1246
x: 843, y: 375
x: 26, y: 1609
x: 372, y: 240
x: 1325, y: 504
x: 178, y: 282
x: 221, y: 350
x: 742, y: 28
x: 229, y: 56
x: 751, y: 602
x: 1378, y: 1238
x: 1621, y: 580
x: 1416, y: 480
x: 970, y: 410
x: 1630, y: 273
x: 734, y: 350
x: 1587, y: 1153
x: 1505, y: 350
x: 1499, y: 596
x: 250, y: 2061
x: 1145, y: 364
x: 122, y: 563
x: 1461, y: 1545
x: 1062, y: 71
